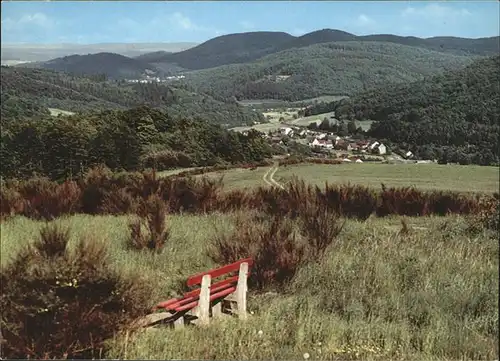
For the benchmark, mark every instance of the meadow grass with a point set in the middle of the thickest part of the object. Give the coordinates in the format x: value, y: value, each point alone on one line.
x: 239, y: 178
x: 423, y: 176
x: 378, y: 293
x: 457, y: 178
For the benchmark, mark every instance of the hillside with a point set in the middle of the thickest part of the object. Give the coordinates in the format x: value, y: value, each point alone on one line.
x: 245, y: 47
x: 29, y: 92
x: 226, y: 49
x: 454, y: 117
x: 342, y: 68
x: 132, y: 139
x: 114, y: 66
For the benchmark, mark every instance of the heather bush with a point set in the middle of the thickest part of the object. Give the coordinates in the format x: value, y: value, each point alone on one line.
x: 65, y: 302
x: 279, y: 246
x: 104, y: 192
x: 353, y: 201
x: 149, y: 230
x: 273, y: 245
x: 488, y: 216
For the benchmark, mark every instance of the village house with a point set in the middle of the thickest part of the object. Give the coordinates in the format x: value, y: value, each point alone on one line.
x: 321, y: 143
x: 343, y: 145
x: 409, y: 155
x: 287, y: 131
x: 379, y: 149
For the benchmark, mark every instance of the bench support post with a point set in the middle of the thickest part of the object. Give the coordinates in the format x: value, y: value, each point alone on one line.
x: 241, y: 291
x: 179, y: 322
x: 217, y: 309
x: 204, y: 302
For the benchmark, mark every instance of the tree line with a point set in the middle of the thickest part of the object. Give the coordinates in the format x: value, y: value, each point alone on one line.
x: 130, y: 140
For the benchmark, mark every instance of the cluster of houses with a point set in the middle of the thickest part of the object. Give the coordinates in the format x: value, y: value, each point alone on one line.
x: 155, y: 79
x: 326, y: 140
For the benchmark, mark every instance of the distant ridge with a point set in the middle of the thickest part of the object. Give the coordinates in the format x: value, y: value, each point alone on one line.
x: 245, y: 47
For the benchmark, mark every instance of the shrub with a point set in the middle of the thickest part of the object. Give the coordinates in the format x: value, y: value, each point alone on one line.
x: 488, y: 216
x: 11, y: 202
x: 276, y: 245
x: 62, y: 303
x: 353, y: 201
x: 273, y: 245
x: 48, y: 200
x: 150, y: 230
x: 321, y: 228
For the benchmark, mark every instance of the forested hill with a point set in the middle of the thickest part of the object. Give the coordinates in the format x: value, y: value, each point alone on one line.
x: 29, y: 92
x: 342, y: 68
x: 115, y: 66
x: 246, y: 47
x: 133, y: 139
x: 454, y: 117
x: 226, y: 49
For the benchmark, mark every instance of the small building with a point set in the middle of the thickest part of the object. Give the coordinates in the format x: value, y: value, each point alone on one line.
x: 343, y: 145
x: 380, y: 149
x: 321, y: 143
x: 374, y: 145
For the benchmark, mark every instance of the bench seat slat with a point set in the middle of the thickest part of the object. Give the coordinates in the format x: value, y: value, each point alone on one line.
x: 212, y: 298
x: 195, y: 294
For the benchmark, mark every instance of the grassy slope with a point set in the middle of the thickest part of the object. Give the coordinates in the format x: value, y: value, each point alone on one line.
x: 421, y: 286
x: 423, y: 176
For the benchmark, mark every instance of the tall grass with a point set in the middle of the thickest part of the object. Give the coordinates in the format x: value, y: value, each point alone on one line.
x: 376, y: 293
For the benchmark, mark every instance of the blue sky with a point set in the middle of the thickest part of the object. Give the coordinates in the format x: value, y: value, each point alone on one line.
x: 100, y: 22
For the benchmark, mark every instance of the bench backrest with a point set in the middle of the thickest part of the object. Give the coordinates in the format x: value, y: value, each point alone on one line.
x: 233, y: 267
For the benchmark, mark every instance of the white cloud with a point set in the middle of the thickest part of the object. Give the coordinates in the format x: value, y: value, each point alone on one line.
x: 435, y: 12
x: 182, y: 22
x: 364, y: 21
x: 39, y: 20
x: 248, y: 25
x: 175, y: 22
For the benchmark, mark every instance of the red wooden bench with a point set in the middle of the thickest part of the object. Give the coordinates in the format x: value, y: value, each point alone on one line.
x: 208, y: 297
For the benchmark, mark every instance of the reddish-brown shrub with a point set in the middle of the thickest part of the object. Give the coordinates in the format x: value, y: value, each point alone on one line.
x: 233, y: 200
x: 150, y: 231
x: 58, y: 303
x: 488, y: 215
x: 48, y: 200
x: 406, y: 201
x: 320, y: 227
x: 353, y: 201
x: 11, y: 202
x: 276, y: 245
x: 273, y: 245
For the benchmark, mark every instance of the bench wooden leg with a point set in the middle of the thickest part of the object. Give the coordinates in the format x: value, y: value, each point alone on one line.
x: 217, y: 310
x: 179, y: 322
x: 241, y: 291
x: 204, y: 301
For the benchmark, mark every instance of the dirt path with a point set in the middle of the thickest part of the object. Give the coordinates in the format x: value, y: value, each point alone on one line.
x: 268, y: 177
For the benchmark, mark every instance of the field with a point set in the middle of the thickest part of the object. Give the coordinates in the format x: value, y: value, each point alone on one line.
x: 386, y: 288
x: 276, y: 102
x: 289, y: 117
x: 376, y: 295
x: 55, y: 112
x: 423, y: 176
